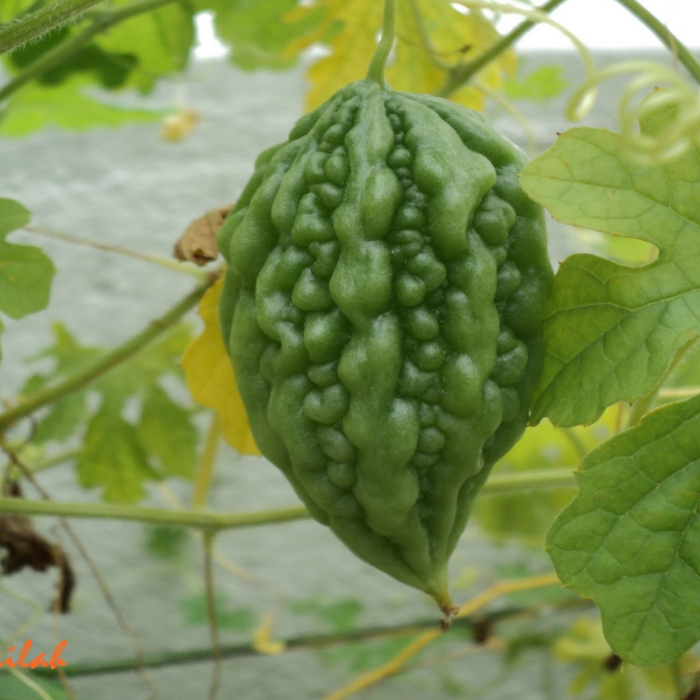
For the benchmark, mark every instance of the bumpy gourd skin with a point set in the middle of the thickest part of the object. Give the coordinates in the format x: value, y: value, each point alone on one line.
x: 382, y: 307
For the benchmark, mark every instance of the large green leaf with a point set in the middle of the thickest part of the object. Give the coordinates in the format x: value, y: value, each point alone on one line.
x: 109, y: 70
x: 119, y: 453
x: 113, y: 458
x: 160, y: 40
x: 25, y: 272
x: 631, y: 539
x: 167, y: 432
x: 612, y: 330
x: 66, y: 105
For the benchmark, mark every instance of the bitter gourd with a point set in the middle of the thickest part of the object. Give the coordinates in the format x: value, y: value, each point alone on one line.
x: 385, y: 286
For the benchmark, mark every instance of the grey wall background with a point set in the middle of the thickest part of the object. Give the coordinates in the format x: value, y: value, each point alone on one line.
x: 128, y: 188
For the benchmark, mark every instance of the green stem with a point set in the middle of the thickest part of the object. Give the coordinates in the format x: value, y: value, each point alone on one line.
x: 311, y: 641
x: 43, y: 464
x: 460, y: 75
x: 496, y: 485
x: 101, y: 21
x: 153, y: 516
x: 208, y: 542
x: 205, y: 468
x: 642, y: 406
x: 41, y: 22
x: 104, y: 364
x: 186, y: 268
x: 666, y: 37
x: 378, y: 63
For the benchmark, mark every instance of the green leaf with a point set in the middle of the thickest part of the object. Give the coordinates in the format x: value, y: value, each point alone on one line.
x: 35, y: 107
x: 340, y: 616
x: 120, y: 454
x: 257, y: 31
x: 160, y: 40
x: 165, y: 542
x: 195, y: 613
x: 109, y: 70
x: 62, y: 420
x: 12, y: 216
x: 12, y: 688
x: 611, y: 331
x: 541, y: 85
x: 160, y: 358
x: 69, y: 355
x: 631, y: 539
x: 113, y: 459
x: 167, y: 432
x: 25, y: 271
x: 365, y: 656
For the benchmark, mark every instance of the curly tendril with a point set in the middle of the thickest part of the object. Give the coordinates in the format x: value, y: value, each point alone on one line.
x: 680, y: 134
x: 678, y: 97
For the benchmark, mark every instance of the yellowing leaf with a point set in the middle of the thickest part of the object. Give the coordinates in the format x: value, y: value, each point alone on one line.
x: 353, y: 46
x: 432, y: 38
x: 210, y: 376
x: 262, y: 637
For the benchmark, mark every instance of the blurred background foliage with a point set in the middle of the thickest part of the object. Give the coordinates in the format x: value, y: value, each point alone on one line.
x: 90, y: 73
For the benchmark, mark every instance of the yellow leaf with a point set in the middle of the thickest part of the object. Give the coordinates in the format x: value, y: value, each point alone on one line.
x: 177, y: 127
x: 262, y: 637
x: 210, y: 378
x: 432, y: 38
x: 352, y: 46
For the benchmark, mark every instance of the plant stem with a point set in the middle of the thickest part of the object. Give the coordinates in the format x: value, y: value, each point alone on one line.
x: 643, y: 405
x: 208, y: 542
x: 496, y: 485
x: 157, y: 260
x: 153, y: 516
x: 665, y: 36
x: 100, y: 22
x: 46, y: 463
x: 460, y: 75
x: 311, y: 641
x: 41, y: 22
x: 105, y: 363
x: 378, y: 63
x: 205, y: 468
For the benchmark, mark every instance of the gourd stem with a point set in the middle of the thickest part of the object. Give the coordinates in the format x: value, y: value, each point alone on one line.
x: 378, y: 63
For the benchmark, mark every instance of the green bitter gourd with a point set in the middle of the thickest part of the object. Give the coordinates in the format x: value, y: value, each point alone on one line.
x: 382, y: 307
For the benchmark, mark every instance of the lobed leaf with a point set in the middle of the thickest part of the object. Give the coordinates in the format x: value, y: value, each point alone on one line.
x: 630, y: 540
x: 160, y: 40
x: 66, y: 105
x: 612, y: 330
x: 257, y: 30
x: 432, y: 37
x: 120, y: 454
x: 113, y: 458
x: 25, y: 271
